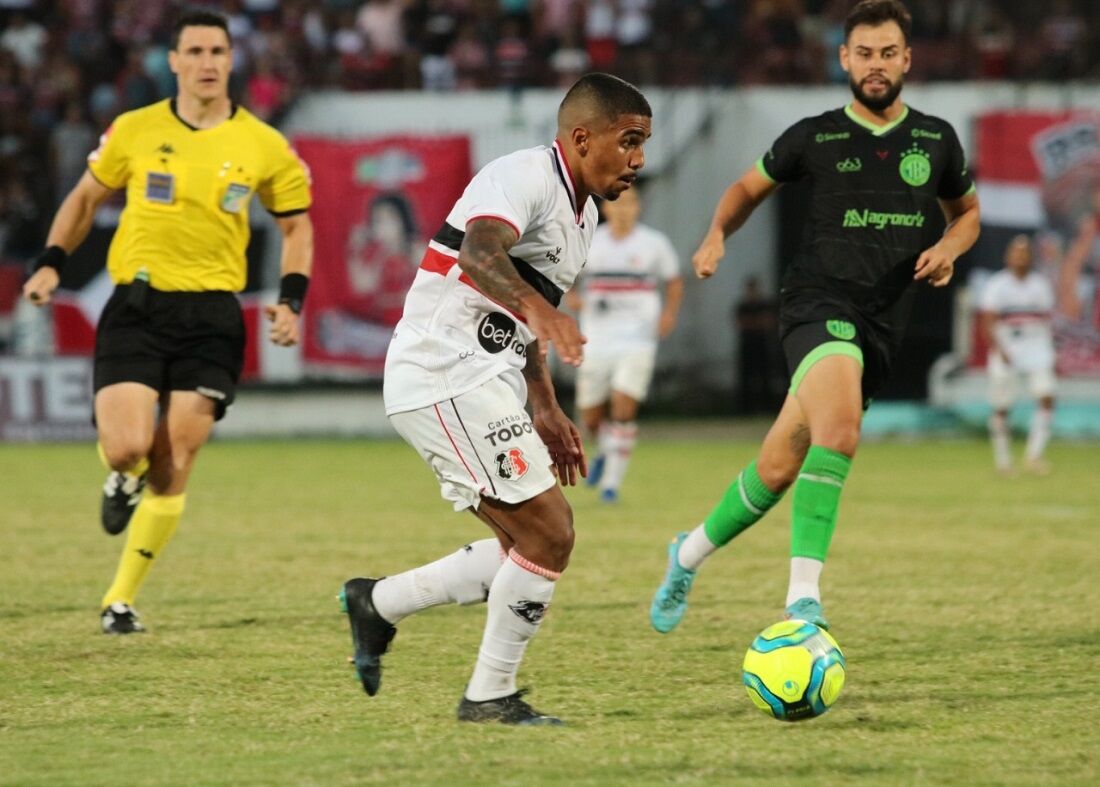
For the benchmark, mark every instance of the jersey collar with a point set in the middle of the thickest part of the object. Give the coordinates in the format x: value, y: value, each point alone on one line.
x: 565, y: 175
x: 878, y: 131
x: 176, y: 114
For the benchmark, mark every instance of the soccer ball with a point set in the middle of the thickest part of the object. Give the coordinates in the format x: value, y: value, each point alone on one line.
x: 793, y: 670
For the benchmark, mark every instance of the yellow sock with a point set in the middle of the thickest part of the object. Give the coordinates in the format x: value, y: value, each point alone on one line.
x: 138, y: 469
x: 153, y: 524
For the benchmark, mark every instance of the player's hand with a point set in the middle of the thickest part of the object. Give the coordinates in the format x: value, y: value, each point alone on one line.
x: 284, y: 325
x: 41, y: 284
x: 551, y: 326
x: 563, y: 441
x: 708, y: 255
x: 936, y: 265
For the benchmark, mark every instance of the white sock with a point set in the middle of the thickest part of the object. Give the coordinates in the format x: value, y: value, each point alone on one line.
x: 999, y: 436
x: 462, y: 577
x: 518, y: 600
x: 695, y: 549
x: 805, y: 579
x: 623, y: 436
x: 1039, y: 433
x: 604, y: 439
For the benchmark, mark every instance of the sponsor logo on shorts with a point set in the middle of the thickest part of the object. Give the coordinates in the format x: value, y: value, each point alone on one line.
x: 841, y: 329
x: 210, y: 393
x: 507, y: 429
x: 498, y: 332
x: 512, y: 464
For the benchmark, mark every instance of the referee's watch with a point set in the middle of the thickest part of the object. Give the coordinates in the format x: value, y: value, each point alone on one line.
x: 292, y: 291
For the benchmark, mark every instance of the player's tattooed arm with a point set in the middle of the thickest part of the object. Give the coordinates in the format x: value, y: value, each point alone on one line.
x: 484, y: 258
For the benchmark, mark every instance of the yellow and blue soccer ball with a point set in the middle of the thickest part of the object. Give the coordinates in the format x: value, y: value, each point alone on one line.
x: 793, y: 670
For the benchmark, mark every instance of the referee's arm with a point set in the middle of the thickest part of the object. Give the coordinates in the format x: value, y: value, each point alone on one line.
x: 70, y: 227
x: 296, y: 264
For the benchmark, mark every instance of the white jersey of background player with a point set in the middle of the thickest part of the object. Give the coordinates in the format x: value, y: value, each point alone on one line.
x: 1016, y: 305
x: 467, y: 354
x: 622, y: 318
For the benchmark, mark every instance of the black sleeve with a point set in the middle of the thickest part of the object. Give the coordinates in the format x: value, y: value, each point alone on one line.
x: 784, y: 162
x: 955, y: 180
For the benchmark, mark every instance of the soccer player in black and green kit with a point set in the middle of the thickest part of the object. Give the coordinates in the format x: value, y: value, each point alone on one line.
x: 878, y: 170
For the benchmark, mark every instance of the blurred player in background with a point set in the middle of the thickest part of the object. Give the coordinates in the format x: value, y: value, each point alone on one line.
x: 469, y: 349
x: 1016, y: 308
x: 878, y: 171
x: 172, y: 334
x: 622, y: 318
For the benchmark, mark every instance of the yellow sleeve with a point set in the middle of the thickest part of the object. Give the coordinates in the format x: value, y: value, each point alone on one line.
x: 110, y: 162
x: 285, y: 189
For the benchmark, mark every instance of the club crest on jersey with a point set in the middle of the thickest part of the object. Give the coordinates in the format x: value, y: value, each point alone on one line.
x: 160, y: 187
x: 234, y: 197
x: 841, y: 329
x: 915, y: 168
x: 512, y: 464
x: 498, y: 332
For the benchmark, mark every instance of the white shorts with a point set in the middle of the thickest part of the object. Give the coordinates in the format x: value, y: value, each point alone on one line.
x: 480, y: 444
x: 1003, y: 377
x: 628, y: 372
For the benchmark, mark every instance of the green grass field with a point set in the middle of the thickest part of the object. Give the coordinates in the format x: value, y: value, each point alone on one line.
x: 967, y: 606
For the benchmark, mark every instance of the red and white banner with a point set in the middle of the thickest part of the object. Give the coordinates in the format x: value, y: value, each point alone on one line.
x: 1040, y: 172
x: 376, y: 203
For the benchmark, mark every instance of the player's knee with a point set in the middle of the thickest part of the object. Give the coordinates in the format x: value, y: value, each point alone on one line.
x: 778, y: 473
x: 558, y: 539
x: 125, y: 453
x: 842, y: 437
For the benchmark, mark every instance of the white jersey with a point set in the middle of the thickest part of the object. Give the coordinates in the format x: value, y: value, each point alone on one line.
x: 452, y: 338
x: 622, y: 304
x: 1022, y: 308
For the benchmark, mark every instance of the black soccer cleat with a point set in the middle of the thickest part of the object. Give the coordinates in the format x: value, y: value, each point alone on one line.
x: 505, y: 710
x: 121, y: 494
x: 371, y: 634
x: 120, y: 618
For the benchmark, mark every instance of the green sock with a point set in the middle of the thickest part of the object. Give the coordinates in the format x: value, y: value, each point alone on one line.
x: 816, y: 500
x: 746, y: 500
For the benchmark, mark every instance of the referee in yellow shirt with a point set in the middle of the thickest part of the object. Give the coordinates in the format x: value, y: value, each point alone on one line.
x: 170, y: 342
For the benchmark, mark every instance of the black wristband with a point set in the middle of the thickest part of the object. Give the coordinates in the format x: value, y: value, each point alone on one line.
x: 53, y: 257
x: 292, y: 291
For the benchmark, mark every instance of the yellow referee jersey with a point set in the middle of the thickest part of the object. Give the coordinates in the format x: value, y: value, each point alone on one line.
x: 188, y: 191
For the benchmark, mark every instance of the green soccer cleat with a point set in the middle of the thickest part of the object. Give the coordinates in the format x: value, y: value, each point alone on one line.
x: 809, y: 610
x: 670, y: 601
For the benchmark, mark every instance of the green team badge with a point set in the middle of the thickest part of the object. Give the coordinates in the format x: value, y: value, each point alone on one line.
x: 915, y: 167
x: 841, y: 329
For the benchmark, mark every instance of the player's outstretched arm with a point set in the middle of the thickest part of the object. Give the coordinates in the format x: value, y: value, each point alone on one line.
x: 297, y: 262
x: 70, y: 227
x: 733, y: 210
x: 937, y: 264
x: 561, y: 436
x: 674, y: 295
x: 484, y: 258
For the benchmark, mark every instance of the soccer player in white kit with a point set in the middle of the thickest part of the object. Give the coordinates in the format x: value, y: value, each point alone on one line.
x: 468, y: 353
x: 622, y: 318
x: 1016, y: 306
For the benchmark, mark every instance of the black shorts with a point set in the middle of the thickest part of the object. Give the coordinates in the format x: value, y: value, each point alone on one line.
x: 172, y: 341
x: 813, y: 325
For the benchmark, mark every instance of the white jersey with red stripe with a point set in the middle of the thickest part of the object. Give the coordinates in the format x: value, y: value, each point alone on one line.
x: 1022, y: 308
x: 451, y: 337
x: 622, y: 303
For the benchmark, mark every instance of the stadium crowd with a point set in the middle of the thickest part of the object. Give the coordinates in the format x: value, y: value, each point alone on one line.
x: 67, y: 67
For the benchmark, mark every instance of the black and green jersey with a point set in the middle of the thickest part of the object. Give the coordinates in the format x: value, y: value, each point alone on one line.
x: 873, y: 202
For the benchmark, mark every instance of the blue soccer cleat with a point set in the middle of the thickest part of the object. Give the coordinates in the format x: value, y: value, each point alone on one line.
x: 609, y: 495
x: 809, y: 610
x: 670, y: 602
x: 595, y: 471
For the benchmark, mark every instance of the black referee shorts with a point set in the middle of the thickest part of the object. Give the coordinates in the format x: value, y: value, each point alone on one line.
x: 811, y: 329
x: 172, y: 341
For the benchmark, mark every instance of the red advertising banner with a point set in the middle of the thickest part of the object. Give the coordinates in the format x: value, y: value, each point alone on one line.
x: 1039, y: 172
x: 376, y: 203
